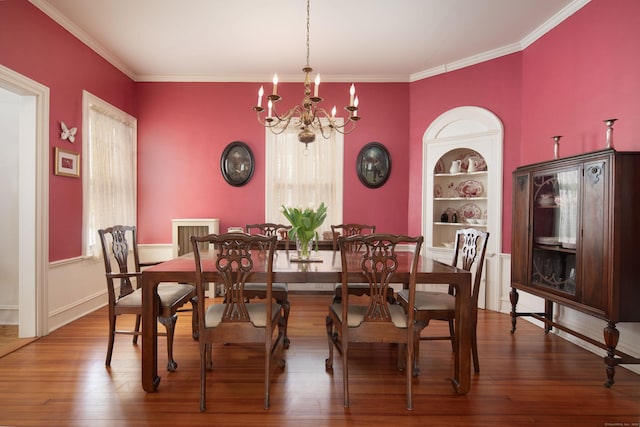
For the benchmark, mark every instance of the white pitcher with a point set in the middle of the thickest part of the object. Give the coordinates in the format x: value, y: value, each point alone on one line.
x: 473, y: 165
x: 455, y: 166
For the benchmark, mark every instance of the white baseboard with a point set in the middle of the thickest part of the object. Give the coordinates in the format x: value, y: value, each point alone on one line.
x: 9, y: 315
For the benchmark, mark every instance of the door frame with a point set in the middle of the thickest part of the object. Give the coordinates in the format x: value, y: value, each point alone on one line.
x: 33, y: 246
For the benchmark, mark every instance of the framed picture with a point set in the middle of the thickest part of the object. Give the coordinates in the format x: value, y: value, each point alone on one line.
x: 237, y: 163
x: 67, y: 163
x: 373, y: 165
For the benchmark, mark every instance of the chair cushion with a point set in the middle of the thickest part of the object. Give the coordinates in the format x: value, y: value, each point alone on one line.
x: 257, y: 314
x: 275, y: 287
x: 426, y: 300
x: 169, y: 293
x: 356, y: 314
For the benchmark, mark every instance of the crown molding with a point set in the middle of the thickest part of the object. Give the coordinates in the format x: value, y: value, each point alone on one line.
x: 553, y: 22
x: 466, y: 62
x: 286, y: 78
x: 543, y: 29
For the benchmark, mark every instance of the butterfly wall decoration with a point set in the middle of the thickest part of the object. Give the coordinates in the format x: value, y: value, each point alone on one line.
x: 68, y: 134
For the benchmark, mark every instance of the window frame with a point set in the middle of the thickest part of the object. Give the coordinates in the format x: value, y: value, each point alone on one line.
x: 90, y: 241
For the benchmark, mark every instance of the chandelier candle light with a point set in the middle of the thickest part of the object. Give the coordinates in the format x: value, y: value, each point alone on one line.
x: 308, y: 116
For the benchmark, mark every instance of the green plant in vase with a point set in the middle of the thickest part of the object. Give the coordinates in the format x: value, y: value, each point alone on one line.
x: 304, y: 226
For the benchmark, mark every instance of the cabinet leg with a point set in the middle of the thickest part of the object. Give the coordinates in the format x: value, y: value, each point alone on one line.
x: 513, y: 296
x: 548, y: 314
x: 611, y: 336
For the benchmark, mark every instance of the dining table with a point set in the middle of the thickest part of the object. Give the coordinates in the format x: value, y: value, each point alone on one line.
x: 324, y: 267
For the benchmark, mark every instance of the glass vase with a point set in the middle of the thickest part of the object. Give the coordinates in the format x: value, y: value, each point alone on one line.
x: 304, y: 249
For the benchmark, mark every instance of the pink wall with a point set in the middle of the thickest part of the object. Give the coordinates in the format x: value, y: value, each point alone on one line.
x: 584, y: 71
x: 494, y: 85
x: 35, y: 46
x: 184, y: 127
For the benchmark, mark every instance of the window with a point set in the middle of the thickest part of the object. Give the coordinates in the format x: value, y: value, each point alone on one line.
x: 296, y: 176
x: 109, y: 169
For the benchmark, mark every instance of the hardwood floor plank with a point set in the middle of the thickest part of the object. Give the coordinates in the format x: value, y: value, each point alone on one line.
x: 526, y: 379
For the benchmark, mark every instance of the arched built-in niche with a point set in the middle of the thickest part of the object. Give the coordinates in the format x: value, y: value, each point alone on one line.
x: 461, y: 136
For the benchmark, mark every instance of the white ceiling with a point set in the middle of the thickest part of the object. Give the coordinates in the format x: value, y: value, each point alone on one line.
x: 350, y: 40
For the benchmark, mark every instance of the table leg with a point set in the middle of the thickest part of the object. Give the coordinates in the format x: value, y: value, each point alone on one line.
x: 462, y: 372
x: 150, y: 310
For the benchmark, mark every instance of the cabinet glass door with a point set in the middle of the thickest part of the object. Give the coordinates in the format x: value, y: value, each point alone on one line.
x: 555, y: 225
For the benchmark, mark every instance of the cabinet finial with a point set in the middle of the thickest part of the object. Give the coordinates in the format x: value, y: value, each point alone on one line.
x: 556, y: 146
x: 609, y: 123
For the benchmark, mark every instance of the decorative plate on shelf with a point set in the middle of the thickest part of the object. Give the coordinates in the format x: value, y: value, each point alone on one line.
x: 481, y: 164
x: 451, y: 190
x: 470, y: 210
x: 439, y: 166
x: 437, y: 190
x: 470, y: 188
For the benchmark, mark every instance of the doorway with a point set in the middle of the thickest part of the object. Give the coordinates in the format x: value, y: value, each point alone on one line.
x: 24, y: 106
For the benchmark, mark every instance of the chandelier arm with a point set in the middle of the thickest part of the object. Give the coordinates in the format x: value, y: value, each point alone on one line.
x: 277, y: 117
x: 277, y: 130
x: 347, y: 127
x: 345, y: 131
x: 330, y: 119
x: 322, y: 132
x: 276, y: 121
x: 278, y: 127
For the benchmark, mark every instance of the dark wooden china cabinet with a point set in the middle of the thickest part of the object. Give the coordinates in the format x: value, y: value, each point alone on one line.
x: 576, y: 228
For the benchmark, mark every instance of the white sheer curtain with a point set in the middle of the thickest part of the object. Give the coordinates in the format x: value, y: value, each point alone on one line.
x: 109, y: 170
x: 567, y: 213
x: 299, y: 177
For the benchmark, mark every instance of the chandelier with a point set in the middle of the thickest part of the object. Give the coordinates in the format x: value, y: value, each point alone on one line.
x: 308, y: 116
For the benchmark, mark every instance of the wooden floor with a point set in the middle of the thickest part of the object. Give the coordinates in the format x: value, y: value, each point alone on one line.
x: 9, y: 340
x: 526, y: 379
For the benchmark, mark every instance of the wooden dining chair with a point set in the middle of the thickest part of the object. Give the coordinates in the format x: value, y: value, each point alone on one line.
x: 234, y: 321
x: 470, y: 246
x: 280, y: 291
x: 350, y: 229
x: 376, y: 321
x: 125, y: 295
x: 353, y: 229
x: 271, y: 229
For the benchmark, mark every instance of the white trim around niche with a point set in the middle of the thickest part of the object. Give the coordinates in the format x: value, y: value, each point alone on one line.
x: 481, y: 130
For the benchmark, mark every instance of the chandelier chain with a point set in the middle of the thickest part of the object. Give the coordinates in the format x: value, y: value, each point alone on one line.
x: 308, y: 43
